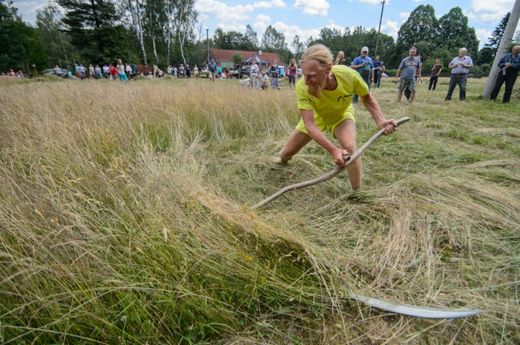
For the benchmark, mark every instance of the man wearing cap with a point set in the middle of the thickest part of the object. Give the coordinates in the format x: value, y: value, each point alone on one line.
x: 363, y: 64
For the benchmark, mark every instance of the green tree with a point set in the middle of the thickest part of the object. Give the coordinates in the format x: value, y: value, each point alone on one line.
x: 421, y: 25
x: 55, y: 42
x: 454, y: 32
x: 273, y: 40
x: 250, y: 39
x: 297, y: 46
x: 237, y: 59
x: 485, y: 56
x: 93, y: 29
x: 21, y: 44
x: 498, y: 33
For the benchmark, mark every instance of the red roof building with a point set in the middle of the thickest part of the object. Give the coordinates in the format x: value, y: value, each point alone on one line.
x: 225, y: 57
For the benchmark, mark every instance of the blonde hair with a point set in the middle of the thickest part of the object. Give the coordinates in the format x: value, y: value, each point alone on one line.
x: 317, y: 52
x: 340, y: 58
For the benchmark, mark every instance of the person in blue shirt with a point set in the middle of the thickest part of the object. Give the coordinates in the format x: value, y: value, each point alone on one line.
x: 509, y: 65
x: 379, y: 68
x: 363, y: 64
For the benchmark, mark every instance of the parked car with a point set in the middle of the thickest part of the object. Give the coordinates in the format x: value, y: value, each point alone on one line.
x: 60, y: 72
x: 244, y: 71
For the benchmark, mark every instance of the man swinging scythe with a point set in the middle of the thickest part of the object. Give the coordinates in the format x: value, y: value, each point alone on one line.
x: 325, y: 104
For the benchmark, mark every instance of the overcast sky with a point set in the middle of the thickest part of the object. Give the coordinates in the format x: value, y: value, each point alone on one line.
x: 307, y: 17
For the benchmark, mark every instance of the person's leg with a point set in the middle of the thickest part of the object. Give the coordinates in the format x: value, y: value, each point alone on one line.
x: 462, y: 86
x: 453, y: 83
x: 401, y: 89
x: 510, y: 83
x: 296, y: 141
x: 435, y: 79
x: 345, y: 132
x: 431, y: 83
x: 498, y: 85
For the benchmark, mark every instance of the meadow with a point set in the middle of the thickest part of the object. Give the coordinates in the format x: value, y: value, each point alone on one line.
x: 125, y: 218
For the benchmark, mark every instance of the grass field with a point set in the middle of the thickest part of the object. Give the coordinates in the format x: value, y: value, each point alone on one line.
x: 125, y: 218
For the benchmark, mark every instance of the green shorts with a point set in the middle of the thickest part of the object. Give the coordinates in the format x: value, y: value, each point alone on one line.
x: 325, y: 125
x: 407, y: 83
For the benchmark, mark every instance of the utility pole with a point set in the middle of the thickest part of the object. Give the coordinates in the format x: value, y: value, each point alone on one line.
x: 207, y: 42
x: 379, y: 28
x: 503, y: 48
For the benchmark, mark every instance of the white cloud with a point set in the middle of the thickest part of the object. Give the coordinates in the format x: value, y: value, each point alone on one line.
x: 373, y: 2
x: 313, y: 7
x: 404, y: 16
x: 490, y: 11
x: 390, y: 27
x: 270, y: 4
x: 227, y: 12
x: 261, y: 23
x: 28, y: 8
x: 226, y: 27
x: 482, y: 36
x: 290, y: 31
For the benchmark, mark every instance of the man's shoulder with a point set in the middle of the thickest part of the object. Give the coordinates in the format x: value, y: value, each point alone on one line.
x: 343, y: 70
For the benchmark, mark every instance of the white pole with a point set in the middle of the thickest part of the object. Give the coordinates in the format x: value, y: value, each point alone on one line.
x: 503, y: 48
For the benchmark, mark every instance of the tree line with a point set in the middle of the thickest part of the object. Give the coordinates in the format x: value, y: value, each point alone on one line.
x: 162, y: 32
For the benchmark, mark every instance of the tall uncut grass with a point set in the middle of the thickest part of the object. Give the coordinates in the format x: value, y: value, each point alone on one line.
x: 125, y: 219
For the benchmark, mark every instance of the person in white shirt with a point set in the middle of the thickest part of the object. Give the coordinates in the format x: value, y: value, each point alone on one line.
x: 253, y: 76
x: 460, y: 66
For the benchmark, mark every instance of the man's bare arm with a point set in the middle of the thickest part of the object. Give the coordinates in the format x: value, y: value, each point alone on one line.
x: 372, y: 105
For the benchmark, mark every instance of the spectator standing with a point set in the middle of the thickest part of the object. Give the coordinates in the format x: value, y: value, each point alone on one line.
x: 409, y: 69
x: 460, y: 66
x: 292, y: 72
x: 340, y: 58
x: 379, y: 68
x: 363, y: 64
x: 106, y: 71
x: 97, y: 72
x: 121, y: 71
x: 509, y: 65
x: 219, y: 71
x: 253, y: 76
x: 275, y: 81
x: 128, y: 70
x: 212, y: 70
x: 91, y: 72
x: 434, y: 76
x: 113, y: 72
x: 196, y: 71
x: 264, y: 80
x: 81, y: 70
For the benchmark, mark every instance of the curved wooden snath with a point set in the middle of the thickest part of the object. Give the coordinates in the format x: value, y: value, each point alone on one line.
x: 403, y: 309
x: 330, y: 174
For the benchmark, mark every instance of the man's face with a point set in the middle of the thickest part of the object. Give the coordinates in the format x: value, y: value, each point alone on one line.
x: 315, y: 76
x: 462, y: 52
x: 516, y: 50
x: 412, y: 52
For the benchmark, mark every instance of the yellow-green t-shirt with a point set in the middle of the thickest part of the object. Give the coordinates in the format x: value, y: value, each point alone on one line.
x: 334, y: 106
